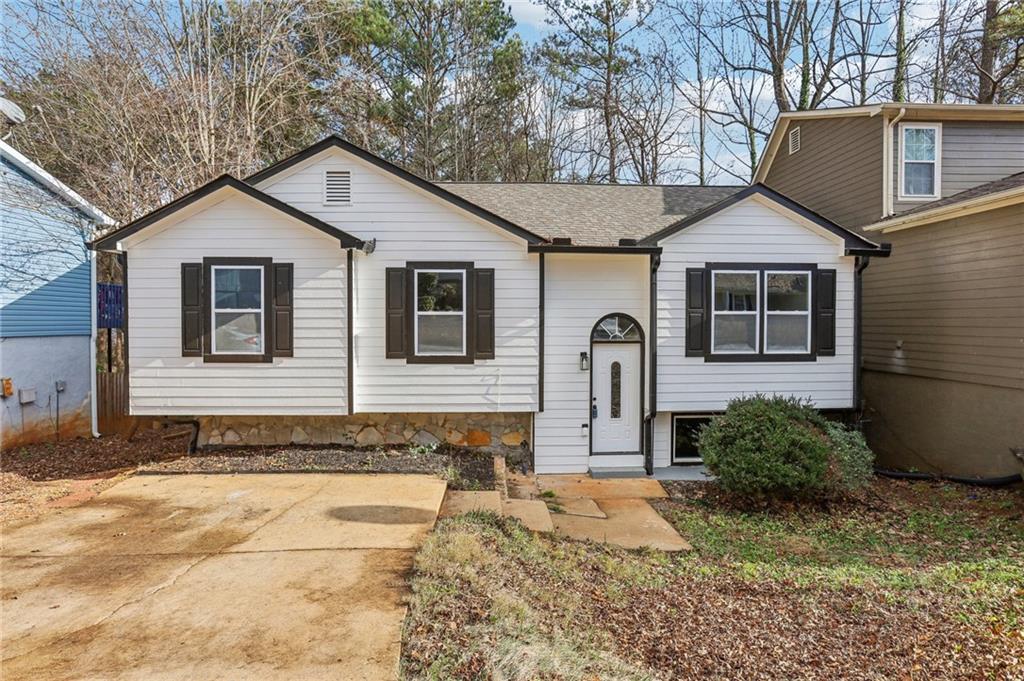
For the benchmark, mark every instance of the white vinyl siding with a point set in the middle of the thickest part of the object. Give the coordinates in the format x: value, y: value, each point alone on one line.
x: 162, y: 382
x: 412, y: 226
x: 580, y: 290
x: 748, y: 232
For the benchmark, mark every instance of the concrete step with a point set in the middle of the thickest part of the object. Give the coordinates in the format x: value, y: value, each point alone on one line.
x: 531, y: 512
x: 457, y: 502
x: 619, y: 472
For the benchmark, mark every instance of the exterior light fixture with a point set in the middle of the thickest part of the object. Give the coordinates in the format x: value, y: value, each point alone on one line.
x: 584, y: 361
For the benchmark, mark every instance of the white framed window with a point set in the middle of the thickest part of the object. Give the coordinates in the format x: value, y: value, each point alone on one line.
x: 920, y: 172
x: 337, y: 188
x: 787, y: 312
x: 439, y: 322
x: 237, y: 309
x: 794, y: 140
x: 735, y: 311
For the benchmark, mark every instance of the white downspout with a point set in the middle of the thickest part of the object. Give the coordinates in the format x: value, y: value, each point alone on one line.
x: 93, y: 397
x: 888, y: 160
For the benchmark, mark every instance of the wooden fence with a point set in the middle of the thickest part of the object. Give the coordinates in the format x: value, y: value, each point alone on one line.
x: 112, y: 402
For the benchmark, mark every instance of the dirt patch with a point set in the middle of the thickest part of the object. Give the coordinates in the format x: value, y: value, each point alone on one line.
x: 464, y: 469
x: 38, y: 477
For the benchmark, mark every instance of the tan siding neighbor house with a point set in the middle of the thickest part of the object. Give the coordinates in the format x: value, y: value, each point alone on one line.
x: 942, y: 325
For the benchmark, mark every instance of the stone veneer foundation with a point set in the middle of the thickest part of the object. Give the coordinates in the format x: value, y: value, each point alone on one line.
x: 471, y: 430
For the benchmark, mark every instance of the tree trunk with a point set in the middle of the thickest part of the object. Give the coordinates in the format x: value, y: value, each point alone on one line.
x: 986, y: 66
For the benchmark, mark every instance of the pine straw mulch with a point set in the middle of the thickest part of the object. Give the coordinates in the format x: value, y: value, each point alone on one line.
x: 910, y: 581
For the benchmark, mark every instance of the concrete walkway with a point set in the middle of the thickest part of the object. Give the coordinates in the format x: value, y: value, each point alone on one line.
x: 216, y: 577
x: 608, y: 510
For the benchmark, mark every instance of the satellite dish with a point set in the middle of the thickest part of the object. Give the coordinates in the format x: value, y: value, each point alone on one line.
x: 12, y: 112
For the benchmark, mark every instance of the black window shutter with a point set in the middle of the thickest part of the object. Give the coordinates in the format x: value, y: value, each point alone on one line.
x: 697, y: 316
x: 283, y: 310
x: 396, y: 296
x: 825, y: 312
x: 192, y: 309
x: 483, y: 313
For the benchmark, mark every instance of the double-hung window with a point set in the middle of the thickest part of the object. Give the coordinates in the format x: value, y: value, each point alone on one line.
x: 237, y: 310
x: 439, y: 327
x: 920, y: 161
x: 763, y: 311
x: 787, y: 328
x: 735, y: 311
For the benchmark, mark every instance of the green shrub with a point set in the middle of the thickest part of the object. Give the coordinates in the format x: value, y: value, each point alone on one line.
x: 852, y: 462
x: 782, y: 448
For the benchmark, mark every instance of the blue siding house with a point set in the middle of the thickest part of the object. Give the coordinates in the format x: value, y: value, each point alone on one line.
x: 46, y: 339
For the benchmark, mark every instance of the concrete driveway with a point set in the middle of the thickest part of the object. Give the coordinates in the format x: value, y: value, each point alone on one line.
x: 216, y: 577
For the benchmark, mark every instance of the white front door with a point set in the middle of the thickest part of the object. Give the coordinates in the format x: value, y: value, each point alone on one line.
x: 615, y: 408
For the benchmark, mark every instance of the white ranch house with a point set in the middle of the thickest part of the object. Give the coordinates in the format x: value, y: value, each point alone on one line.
x: 335, y: 297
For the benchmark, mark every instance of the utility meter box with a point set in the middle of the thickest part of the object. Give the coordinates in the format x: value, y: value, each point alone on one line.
x: 27, y: 395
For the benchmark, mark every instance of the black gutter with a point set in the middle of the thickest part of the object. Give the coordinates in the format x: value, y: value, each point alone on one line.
x: 348, y: 323
x: 607, y: 250
x: 981, y: 482
x: 653, y: 345
x: 540, y: 334
x: 860, y: 265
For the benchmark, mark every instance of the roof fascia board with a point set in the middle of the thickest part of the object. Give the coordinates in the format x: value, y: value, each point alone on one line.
x: 327, y: 152
x: 53, y: 184
x: 980, y: 204
x: 412, y: 179
x: 593, y: 250
x: 782, y: 124
x: 111, y: 240
x: 851, y: 240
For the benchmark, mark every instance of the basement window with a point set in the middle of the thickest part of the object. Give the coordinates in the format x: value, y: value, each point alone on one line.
x: 337, y: 188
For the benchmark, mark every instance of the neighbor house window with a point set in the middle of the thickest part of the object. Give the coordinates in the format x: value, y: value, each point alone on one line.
x: 920, y: 160
x: 787, y: 327
x: 237, y: 310
x: 735, y: 320
x: 440, y: 313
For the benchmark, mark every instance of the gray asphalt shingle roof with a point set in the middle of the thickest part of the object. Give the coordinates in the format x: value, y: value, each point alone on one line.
x: 1004, y: 184
x: 591, y: 214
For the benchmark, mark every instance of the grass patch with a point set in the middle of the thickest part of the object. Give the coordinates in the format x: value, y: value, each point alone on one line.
x: 912, y: 574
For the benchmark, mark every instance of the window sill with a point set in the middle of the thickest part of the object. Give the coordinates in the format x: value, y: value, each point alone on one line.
x: 803, y: 357
x: 917, y: 198
x: 237, y: 359
x: 439, y: 359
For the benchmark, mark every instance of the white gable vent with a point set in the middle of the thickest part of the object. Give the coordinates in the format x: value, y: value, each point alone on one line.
x: 794, y: 140
x: 337, y: 187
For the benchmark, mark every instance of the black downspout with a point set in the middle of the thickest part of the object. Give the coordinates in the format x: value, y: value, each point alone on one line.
x: 652, y: 343
x: 860, y: 265
x: 540, y: 334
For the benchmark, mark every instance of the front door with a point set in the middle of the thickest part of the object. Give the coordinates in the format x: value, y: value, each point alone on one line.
x: 615, y: 409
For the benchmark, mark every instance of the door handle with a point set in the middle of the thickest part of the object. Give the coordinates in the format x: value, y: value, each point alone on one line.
x: 593, y: 411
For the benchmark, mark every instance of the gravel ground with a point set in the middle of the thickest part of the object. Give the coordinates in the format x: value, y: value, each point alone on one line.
x: 463, y: 469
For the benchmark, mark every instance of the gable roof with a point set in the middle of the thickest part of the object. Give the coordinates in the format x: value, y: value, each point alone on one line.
x: 109, y: 241
x: 592, y: 215
x: 911, y: 111
x: 51, y: 183
x: 434, y: 188
x: 1006, y: 191
x: 854, y: 243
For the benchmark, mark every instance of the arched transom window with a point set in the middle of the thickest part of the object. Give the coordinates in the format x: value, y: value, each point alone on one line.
x: 616, y: 328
